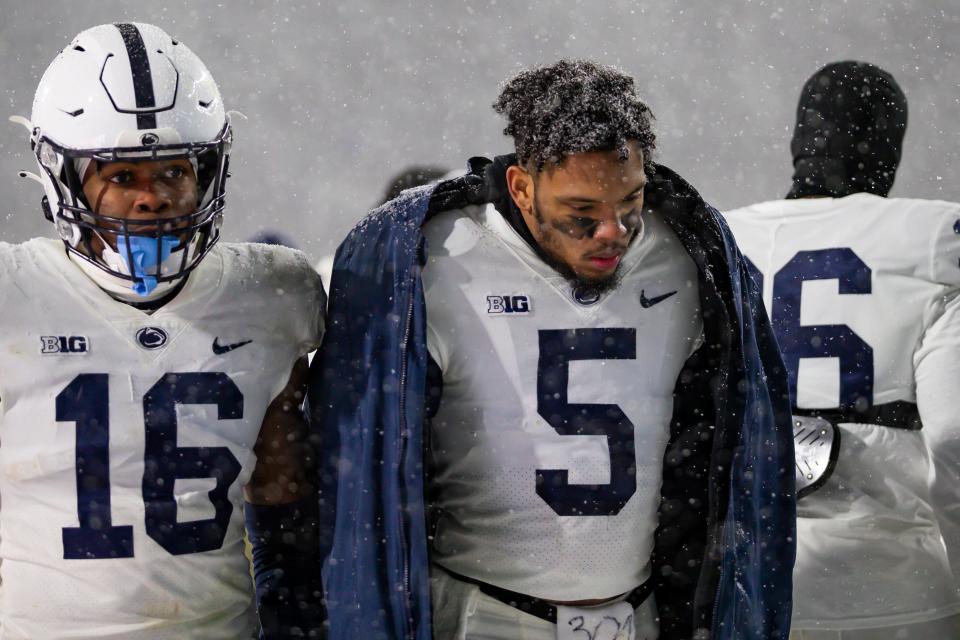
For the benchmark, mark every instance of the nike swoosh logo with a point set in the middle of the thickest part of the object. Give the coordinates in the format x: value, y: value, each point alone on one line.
x: 221, y: 349
x: 646, y: 302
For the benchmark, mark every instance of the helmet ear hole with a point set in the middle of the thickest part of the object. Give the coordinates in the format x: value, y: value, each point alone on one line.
x: 208, y: 163
x: 45, y: 205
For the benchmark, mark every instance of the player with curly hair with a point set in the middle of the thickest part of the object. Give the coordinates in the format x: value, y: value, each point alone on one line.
x: 560, y: 414
x: 572, y: 107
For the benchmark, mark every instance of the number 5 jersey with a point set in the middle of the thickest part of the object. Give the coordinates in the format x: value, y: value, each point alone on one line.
x: 126, y: 439
x: 863, y: 296
x: 548, y: 444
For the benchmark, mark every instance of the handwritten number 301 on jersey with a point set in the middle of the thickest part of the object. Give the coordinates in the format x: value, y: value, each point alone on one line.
x: 85, y: 401
x: 609, y: 628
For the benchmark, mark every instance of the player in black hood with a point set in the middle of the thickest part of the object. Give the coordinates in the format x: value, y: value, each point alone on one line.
x: 849, y: 133
x: 864, y: 298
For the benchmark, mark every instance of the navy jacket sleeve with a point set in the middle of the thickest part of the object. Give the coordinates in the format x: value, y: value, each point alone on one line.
x: 367, y: 390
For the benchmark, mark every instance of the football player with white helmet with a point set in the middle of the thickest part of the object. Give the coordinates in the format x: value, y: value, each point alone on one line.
x: 864, y: 295
x: 152, y: 378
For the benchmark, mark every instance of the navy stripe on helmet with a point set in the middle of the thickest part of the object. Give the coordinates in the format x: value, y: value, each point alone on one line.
x: 142, y: 77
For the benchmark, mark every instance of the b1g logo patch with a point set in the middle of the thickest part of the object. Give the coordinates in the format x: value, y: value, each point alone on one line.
x: 69, y: 345
x: 517, y: 305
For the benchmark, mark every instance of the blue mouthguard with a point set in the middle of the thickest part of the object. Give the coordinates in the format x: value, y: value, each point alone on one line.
x: 145, y: 258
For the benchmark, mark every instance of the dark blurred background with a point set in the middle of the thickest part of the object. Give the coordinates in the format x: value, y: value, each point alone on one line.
x: 340, y: 96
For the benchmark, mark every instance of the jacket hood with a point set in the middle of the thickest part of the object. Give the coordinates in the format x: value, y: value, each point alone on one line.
x: 851, y: 119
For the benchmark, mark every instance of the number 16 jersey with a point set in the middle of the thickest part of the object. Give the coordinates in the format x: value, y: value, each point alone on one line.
x: 126, y: 439
x: 547, y: 447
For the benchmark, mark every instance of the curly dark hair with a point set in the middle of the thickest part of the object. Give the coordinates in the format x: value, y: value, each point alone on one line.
x: 573, y: 106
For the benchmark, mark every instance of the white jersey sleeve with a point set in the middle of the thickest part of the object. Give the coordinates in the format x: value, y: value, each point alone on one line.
x: 937, y: 370
x: 945, y: 248
x: 293, y: 289
x: 938, y: 396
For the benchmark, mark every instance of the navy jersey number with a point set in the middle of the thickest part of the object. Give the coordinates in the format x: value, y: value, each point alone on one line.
x: 557, y: 349
x: 826, y: 340
x: 165, y: 462
x: 85, y: 401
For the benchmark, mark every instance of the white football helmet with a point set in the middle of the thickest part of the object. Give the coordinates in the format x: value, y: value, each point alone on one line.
x: 130, y: 92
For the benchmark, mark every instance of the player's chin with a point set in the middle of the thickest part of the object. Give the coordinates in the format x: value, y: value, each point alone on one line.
x: 591, y: 272
x: 600, y: 280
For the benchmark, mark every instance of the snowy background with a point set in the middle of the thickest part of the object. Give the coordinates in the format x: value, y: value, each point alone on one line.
x: 342, y: 95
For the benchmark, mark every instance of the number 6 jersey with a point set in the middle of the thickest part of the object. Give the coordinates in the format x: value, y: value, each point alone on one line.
x: 126, y: 439
x: 860, y: 291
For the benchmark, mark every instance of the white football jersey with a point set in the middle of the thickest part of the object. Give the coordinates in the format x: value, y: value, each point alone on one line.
x: 855, y: 287
x: 126, y: 439
x: 547, y: 449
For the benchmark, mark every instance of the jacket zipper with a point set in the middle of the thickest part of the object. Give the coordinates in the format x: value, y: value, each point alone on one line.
x: 402, y: 454
x: 716, y: 597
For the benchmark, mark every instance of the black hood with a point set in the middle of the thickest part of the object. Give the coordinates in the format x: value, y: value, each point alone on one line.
x: 849, y: 133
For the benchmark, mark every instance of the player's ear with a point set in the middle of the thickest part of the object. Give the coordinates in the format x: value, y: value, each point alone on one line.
x: 520, y: 185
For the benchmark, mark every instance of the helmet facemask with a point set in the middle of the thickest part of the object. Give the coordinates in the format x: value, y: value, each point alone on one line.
x: 144, y: 251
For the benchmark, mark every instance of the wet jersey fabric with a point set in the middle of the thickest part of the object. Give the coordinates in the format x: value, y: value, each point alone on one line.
x: 860, y: 291
x: 127, y: 439
x: 723, y: 549
x: 522, y: 501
